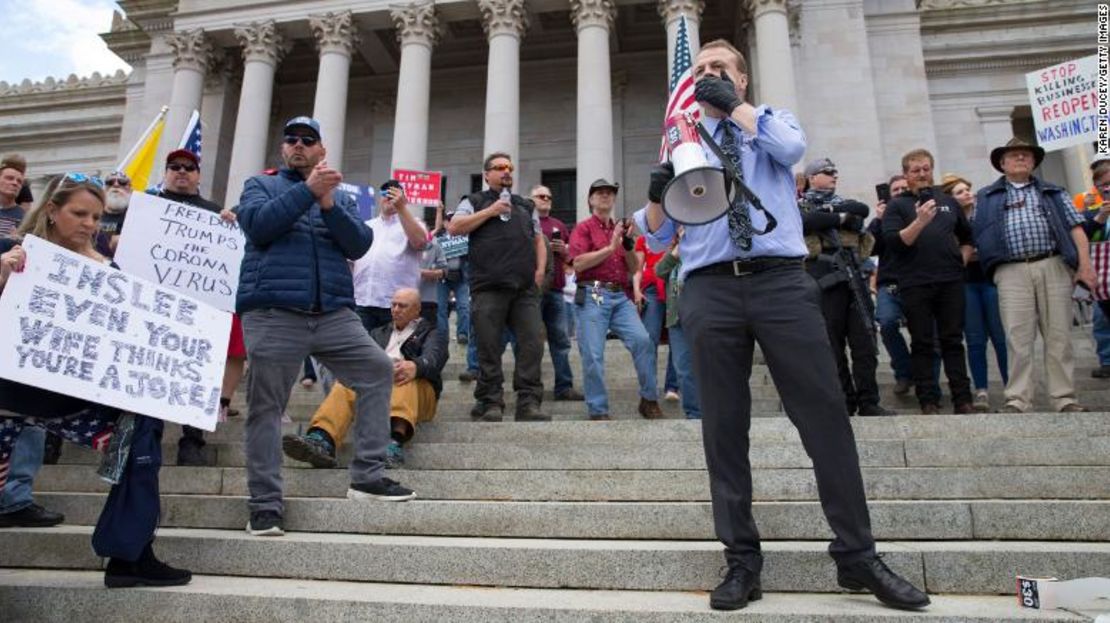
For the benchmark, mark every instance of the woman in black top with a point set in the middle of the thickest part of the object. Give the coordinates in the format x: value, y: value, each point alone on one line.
x: 69, y: 216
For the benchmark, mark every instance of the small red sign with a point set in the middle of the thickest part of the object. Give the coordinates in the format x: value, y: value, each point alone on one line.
x: 422, y: 188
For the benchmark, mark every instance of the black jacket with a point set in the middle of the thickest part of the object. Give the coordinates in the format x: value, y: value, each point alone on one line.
x: 424, y: 348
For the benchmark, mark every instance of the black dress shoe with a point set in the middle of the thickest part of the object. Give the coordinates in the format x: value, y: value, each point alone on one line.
x: 872, y: 574
x: 33, y: 516
x: 146, y: 571
x: 874, y: 410
x: 741, y: 585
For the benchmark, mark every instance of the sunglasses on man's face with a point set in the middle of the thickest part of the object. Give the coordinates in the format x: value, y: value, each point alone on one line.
x: 116, y: 181
x: 307, y: 141
x: 544, y: 197
x: 503, y: 168
x: 178, y: 167
x: 829, y: 172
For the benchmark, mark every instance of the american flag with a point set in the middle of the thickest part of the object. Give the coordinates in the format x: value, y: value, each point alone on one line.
x: 681, y: 97
x: 191, y: 138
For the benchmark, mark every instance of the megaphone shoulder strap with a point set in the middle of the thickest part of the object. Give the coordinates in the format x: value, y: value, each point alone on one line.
x: 734, y: 177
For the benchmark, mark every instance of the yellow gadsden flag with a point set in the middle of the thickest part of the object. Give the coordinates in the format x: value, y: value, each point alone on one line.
x: 138, y: 164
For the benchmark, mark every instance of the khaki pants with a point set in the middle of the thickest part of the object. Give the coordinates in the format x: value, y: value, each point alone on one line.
x: 409, y: 404
x: 1037, y: 296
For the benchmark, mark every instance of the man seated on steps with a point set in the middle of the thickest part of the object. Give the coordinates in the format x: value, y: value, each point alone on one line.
x: 418, y: 358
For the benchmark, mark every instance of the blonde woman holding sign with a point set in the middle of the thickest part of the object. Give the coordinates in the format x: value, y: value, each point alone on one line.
x: 69, y: 216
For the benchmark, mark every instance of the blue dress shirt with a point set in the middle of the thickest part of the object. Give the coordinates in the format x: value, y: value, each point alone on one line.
x: 766, y: 160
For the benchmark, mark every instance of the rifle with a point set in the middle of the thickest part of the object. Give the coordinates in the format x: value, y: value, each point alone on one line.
x: 845, y: 261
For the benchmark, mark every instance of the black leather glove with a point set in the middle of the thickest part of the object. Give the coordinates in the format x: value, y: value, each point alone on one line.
x: 852, y: 223
x: 720, y: 93
x: 661, y: 175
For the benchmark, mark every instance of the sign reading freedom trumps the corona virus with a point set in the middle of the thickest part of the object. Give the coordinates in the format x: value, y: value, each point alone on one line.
x: 182, y: 247
x: 85, y: 329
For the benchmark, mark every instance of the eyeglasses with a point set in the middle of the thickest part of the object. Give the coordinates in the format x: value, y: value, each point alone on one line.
x: 307, y: 141
x: 117, y: 181
x: 544, y: 197
x: 81, y: 178
x: 1103, y: 187
x: 504, y: 168
x: 177, y: 167
x: 830, y: 172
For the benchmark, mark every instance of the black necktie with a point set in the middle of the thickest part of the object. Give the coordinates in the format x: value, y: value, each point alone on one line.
x: 739, y: 220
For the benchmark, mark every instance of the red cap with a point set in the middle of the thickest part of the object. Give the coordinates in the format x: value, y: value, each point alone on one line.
x: 183, y: 153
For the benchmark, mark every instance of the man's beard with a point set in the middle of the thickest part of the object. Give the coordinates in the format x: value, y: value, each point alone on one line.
x: 116, y: 201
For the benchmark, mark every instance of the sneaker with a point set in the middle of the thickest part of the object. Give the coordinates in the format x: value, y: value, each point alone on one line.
x: 982, y: 402
x: 266, y: 523
x: 671, y: 396
x: 146, y: 571
x: 314, y: 447
x: 571, y: 395
x: 650, y: 410
x: 33, y: 516
x: 1008, y: 408
x: 902, y: 387
x: 467, y: 376
x: 384, y: 490
x: 190, y: 453
x: 530, y: 412
x: 394, y: 455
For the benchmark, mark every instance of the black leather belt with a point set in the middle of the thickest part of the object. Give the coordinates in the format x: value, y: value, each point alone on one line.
x: 603, y: 285
x: 1032, y: 258
x: 741, y: 268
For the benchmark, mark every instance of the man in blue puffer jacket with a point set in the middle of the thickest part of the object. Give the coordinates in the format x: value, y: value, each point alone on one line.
x: 296, y: 299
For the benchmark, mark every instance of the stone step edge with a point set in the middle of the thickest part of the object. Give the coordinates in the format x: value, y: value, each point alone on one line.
x: 50, y: 595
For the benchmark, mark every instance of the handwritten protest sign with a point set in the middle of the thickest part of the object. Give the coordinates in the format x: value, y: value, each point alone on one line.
x: 1064, y: 98
x: 85, y: 329
x: 182, y: 247
x: 454, y: 246
x: 422, y: 188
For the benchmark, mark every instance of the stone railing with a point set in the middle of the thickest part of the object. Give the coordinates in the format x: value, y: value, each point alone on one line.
x: 72, y: 83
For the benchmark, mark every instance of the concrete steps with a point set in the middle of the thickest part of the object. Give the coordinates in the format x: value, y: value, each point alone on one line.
x: 54, y: 597
x: 966, y: 567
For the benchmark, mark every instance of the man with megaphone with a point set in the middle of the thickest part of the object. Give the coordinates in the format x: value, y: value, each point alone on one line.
x: 746, y: 286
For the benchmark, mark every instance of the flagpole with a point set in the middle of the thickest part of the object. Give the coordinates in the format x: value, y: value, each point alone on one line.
x: 142, y: 138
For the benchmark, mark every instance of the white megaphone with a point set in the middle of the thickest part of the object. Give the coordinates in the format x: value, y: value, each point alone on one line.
x: 697, y: 195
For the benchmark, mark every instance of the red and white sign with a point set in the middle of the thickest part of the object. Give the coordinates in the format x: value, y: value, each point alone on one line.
x: 422, y: 188
x: 1064, y: 98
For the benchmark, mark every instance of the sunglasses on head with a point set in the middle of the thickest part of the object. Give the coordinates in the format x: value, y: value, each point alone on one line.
x: 177, y: 166
x: 544, y: 197
x: 504, y: 168
x: 307, y: 141
x: 81, y: 178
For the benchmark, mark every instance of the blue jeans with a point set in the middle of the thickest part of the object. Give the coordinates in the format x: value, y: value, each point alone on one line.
x: 983, y: 320
x: 595, y: 319
x: 1101, y: 330
x: 684, y: 366
x: 26, y: 462
x: 552, y: 309
x: 888, y: 313
x: 655, y: 314
x: 461, y: 289
x: 571, y: 315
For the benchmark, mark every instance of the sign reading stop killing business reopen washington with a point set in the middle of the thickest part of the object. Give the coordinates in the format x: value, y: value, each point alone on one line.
x: 183, y: 248
x: 82, y: 328
x: 1065, y: 106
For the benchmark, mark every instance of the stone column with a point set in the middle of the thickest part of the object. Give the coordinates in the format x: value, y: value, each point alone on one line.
x: 592, y: 20
x: 418, y: 32
x: 192, y: 52
x: 504, y: 22
x: 776, y: 66
x: 336, y: 37
x: 671, y: 11
x: 263, y: 48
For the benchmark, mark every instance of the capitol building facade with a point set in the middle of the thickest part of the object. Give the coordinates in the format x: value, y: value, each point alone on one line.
x: 573, y: 89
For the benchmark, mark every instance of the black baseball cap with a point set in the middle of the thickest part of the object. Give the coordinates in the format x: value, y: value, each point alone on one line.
x: 304, y: 123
